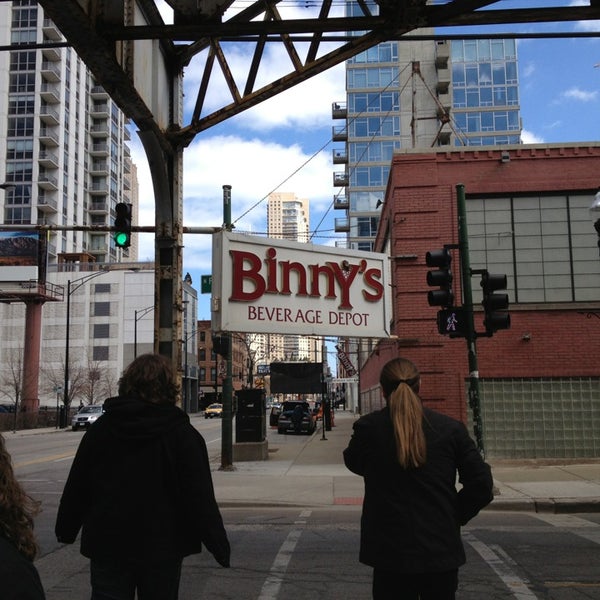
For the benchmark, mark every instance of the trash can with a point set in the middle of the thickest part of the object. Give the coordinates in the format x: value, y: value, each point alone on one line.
x: 250, y: 419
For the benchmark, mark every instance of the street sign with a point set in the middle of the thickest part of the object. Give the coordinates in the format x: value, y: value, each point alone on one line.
x: 206, y: 284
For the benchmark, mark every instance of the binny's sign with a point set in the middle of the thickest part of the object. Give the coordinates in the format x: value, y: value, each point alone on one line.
x: 265, y: 285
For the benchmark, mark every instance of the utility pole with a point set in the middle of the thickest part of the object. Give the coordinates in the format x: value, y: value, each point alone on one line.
x: 470, y: 334
x: 227, y: 416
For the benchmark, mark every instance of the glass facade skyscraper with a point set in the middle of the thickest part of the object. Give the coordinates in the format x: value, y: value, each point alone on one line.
x: 416, y: 94
x: 485, y: 92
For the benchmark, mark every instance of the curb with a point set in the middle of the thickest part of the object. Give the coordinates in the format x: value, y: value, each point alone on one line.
x: 531, y: 505
x: 546, y: 505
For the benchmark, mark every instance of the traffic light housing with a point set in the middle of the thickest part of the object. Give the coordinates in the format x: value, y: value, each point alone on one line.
x: 122, y: 234
x: 495, y: 304
x: 441, y: 277
x: 221, y: 345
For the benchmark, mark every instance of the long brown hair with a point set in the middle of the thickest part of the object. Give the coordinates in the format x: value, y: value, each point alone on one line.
x: 17, y: 509
x: 149, y: 377
x: 400, y: 380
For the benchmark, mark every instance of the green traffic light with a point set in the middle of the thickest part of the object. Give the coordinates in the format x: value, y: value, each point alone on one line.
x: 121, y: 239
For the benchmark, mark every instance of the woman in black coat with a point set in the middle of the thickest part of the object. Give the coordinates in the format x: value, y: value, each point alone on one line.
x: 409, y: 457
x: 141, y: 490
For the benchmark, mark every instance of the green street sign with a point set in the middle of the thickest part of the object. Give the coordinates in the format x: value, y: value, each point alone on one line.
x: 206, y: 284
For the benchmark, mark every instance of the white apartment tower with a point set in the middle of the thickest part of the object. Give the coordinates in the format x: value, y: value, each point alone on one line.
x: 65, y: 163
x: 62, y: 139
x: 288, y: 217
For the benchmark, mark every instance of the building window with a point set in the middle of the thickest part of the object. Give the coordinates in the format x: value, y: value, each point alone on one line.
x: 101, y: 330
x: 22, y: 61
x: 101, y: 309
x: 544, y: 244
x: 202, y: 374
x: 102, y: 288
x: 15, y: 215
x: 19, y: 149
x: 24, y: 15
x: 100, y: 353
x: 20, y: 127
x: 364, y: 226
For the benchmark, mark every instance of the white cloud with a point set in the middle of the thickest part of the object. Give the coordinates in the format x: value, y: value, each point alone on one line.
x: 307, y: 104
x: 528, y: 69
x: 253, y: 168
x: 576, y: 93
x: 528, y: 137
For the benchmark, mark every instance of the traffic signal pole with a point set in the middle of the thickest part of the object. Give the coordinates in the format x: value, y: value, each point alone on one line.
x: 470, y: 334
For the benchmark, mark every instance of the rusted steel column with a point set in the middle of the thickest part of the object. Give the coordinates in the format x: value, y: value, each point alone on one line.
x: 31, y: 356
x: 166, y: 171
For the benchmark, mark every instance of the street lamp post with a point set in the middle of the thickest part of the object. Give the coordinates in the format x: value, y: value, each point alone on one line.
x: 137, y: 316
x: 70, y: 290
x: 186, y: 382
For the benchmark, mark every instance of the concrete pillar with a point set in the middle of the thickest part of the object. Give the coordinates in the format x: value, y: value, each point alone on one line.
x: 31, y: 356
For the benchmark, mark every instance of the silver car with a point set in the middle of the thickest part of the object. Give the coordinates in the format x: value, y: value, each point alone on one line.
x: 86, y: 416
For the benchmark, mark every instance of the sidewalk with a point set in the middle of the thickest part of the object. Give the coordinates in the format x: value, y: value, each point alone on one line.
x: 313, y: 474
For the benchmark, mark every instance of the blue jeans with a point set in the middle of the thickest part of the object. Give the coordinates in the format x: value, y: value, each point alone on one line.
x: 117, y: 580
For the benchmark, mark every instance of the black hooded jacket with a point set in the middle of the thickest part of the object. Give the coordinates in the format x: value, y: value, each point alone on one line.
x: 140, y: 488
x: 411, y: 517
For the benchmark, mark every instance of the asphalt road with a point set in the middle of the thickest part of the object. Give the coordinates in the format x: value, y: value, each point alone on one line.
x: 281, y: 553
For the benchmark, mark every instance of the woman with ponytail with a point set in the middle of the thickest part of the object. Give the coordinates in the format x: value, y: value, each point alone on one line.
x: 409, y: 457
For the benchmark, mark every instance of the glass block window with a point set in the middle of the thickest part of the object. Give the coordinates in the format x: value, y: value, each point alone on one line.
x: 541, y: 418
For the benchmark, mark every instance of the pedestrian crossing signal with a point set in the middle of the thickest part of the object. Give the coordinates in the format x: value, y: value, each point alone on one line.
x: 452, y: 322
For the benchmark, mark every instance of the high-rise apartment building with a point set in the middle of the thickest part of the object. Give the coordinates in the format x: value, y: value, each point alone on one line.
x: 288, y: 217
x: 65, y: 164
x: 416, y: 94
x: 62, y: 139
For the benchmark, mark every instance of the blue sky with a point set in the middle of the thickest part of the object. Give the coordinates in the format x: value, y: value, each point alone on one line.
x: 285, y: 145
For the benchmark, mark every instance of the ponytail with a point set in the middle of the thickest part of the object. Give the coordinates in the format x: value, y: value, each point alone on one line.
x: 400, y: 382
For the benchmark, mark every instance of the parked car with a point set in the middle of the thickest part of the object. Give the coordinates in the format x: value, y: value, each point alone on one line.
x: 86, y: 416
x: 296, y: 417
x: 275, y: 412
x: 213, y: 410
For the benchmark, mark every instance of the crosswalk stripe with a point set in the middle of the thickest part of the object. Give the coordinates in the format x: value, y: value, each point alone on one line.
x: 272, y: 584
x: 517, y: 586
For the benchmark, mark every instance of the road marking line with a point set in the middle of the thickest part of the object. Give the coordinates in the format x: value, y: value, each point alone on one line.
x: 519, y: 587
x: 37, y: 461
x: 272, y: 585
x: 576, y: 525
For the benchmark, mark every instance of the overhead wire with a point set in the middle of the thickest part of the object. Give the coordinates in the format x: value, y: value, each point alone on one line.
x: 316, y: 153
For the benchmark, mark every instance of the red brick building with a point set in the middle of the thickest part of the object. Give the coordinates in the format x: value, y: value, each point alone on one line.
x: 527, y: 217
